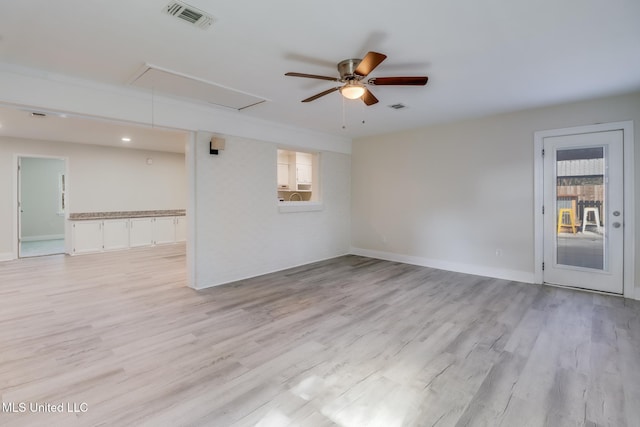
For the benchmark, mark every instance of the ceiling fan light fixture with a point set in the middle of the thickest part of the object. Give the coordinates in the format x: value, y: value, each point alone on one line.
x: 352, y: 90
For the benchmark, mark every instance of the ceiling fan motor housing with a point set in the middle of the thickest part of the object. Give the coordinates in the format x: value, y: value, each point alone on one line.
x: 347, y: 69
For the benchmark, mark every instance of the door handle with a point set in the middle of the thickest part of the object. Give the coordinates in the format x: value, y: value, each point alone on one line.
x: 616, y: 225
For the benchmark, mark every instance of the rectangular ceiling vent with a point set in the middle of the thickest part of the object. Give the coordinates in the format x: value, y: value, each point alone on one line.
x: 189, y: 14
x: 398, y: 106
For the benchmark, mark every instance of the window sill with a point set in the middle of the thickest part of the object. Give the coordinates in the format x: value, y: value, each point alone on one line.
x: 290, y: 207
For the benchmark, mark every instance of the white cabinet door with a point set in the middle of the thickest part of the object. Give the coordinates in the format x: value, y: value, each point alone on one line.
x: 141, y: 232
x: 164, y: 230
x: 87, y: 237
x: 303, y: 174
x: 304, y: 167
x: 304, y: 158
x: 283, y: 175
x: 116, y: 234
x: 181, y: 229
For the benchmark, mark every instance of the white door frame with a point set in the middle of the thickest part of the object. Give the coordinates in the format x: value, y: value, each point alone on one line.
x: 629, y: 197
x: 16, y: 195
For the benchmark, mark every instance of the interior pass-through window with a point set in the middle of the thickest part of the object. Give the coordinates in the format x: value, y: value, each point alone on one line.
x: 298, y: 179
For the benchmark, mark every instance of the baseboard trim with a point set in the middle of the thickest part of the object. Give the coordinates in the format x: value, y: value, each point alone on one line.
x: 6, y: 256
x: 226, y: 282
x: 497, y: 273
x: 44, y: 237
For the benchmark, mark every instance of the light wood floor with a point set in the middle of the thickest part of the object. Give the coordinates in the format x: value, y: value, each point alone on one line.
x: 348, y: 342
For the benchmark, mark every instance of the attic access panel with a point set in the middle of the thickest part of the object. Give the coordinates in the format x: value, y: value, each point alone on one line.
x: 177, y: 84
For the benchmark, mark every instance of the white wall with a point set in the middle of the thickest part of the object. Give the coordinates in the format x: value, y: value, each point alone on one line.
x: 39, y: 183
x: 99, y: 179
x: 452, y: 195
x: 239, y: 231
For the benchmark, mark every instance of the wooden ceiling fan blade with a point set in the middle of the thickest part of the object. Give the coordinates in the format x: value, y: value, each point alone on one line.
x: 369, y: 98
x: 405, y: 81
x: 369, y: 63
x: 313, y: 76
x: 321, y: 94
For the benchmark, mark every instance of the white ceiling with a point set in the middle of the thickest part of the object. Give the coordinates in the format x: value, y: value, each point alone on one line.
x: 482, y: 57
x: 17, y: 122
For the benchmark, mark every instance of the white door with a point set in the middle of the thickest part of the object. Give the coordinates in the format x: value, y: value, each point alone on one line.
x: 20, y: 210
x: 41, y: 206
x: 583, y: 211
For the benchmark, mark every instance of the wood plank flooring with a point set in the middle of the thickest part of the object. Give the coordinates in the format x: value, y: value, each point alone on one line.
x: 348, y: 342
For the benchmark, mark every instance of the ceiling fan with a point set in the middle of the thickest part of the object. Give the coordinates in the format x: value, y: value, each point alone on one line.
x: 352, y: 74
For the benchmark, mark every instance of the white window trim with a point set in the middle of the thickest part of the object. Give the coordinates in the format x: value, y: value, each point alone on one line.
x: 291, y: 207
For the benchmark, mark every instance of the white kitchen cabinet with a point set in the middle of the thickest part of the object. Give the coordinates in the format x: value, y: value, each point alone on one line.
x: 283, y: 175
x: 140, y: 232
x: 181, y: 228
x: 295, y: 171
x: 86, y: 237
x: 115, y: 233
x: 164, y: 230
x: 304, y: 168
x: 303, y: 174
x: 90, y: 236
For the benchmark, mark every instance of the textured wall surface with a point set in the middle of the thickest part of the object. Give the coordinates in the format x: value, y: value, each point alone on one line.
x: 239, y: 230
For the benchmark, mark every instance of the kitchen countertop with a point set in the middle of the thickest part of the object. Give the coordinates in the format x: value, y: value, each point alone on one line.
x: 125, y: 214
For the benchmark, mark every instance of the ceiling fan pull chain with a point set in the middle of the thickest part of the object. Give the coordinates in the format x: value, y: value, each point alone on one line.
x: 344, y: 114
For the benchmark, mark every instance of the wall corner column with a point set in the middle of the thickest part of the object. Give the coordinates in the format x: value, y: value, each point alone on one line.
x: 190, y: 168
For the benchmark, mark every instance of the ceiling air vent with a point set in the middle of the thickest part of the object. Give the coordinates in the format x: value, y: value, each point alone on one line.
x: 189, y: 14
x: 397, y: 106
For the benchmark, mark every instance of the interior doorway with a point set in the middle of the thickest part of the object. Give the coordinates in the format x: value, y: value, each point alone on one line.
x: 582, y: 185
x: 42, y: 187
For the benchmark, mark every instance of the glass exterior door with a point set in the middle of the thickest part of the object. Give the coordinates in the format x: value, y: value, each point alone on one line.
x: 583, y: 242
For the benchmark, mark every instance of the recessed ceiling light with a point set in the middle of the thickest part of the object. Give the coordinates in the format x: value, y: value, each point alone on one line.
x: 126, y: 139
